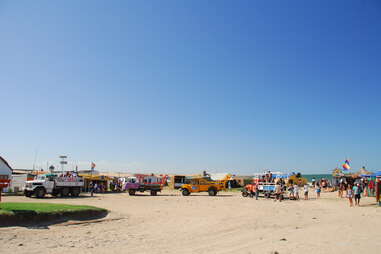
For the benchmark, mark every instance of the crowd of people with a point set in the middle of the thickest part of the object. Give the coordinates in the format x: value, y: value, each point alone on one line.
x: 281, y: 187
x: 297, y: 189
x: 116, y: 185
x: 355, y: 189
x: 97, y: 187
x: 68, y: 174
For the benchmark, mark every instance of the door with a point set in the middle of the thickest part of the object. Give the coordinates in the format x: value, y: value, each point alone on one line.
x: 49, y: 185
x: 195, y: 186
x: 204, y: 185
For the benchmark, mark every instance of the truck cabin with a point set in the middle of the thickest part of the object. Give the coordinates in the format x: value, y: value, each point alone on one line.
x: 44, y: 177
x: 131, y: 179
x: 196, y: 180
x: 177, y: 181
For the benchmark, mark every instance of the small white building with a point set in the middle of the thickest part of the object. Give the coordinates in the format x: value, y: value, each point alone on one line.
x: 18, y: 182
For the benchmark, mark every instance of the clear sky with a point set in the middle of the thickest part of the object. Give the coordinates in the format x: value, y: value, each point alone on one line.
x: 183, y: 86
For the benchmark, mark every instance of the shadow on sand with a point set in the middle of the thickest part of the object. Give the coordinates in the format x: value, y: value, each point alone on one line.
x: 32, y: 219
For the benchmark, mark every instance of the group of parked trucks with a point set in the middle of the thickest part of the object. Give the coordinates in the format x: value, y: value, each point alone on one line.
x: 64, y: 185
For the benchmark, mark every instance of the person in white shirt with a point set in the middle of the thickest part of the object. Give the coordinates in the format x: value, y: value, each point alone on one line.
x: 278, y: 192
x: 296, y: 192
x: 306, y: 192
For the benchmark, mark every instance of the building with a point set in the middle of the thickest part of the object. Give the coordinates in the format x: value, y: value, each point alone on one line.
x: 5, y: 174
x: 5, y: 169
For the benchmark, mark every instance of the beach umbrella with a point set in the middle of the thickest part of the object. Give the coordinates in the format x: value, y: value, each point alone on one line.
x: 377, y: 173
x: 365, y: 173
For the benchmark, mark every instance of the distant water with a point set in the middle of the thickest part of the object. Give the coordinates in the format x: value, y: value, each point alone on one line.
x: 318, y: 176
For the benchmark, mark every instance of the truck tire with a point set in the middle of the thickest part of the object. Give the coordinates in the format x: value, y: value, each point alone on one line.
x: 74, y: 192
x: 65, y: 192
x: 212, y: 192
x: 153, y: 193
x: 55, y: 193
x: 131, y: 192
x: 28, y: 194
x: 40, y: 192
x: 185, y: 192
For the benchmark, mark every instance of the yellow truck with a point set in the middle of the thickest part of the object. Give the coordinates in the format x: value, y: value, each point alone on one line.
x: 204, y: 184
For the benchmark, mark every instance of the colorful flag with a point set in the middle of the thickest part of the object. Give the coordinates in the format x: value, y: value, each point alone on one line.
x: 92, y: 165
x: 346, y: 165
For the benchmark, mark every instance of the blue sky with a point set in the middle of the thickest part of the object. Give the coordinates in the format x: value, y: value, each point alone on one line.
x: 183, y: 86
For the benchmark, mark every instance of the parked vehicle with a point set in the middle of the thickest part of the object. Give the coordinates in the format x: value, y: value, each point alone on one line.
x: 63, y: 185
x: 266, y: 189
x: 142, y: 183
x: 204, y: 184
x: 247, y: 191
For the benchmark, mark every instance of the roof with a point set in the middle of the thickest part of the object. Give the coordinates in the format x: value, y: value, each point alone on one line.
x: 5, y: 163
x: 218, y: 176
x: 95, y: 177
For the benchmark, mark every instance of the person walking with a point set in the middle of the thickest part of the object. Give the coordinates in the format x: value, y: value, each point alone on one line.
x: 350, y: 195
x: 357, y: 192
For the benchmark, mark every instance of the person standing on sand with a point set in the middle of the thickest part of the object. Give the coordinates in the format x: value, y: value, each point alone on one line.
x: 306, y: 192
x: 313, y: 181
x: 278, y: 192
x: 350, y: 195
x: 357, y: 193
x: 296, y: 192
x: 291, y: 192
x: 342, y: 187
x: 371, y: 188
x: 91, y: 185
x: 256, y: 190
x: 365, y: 189
x: 318, y: 190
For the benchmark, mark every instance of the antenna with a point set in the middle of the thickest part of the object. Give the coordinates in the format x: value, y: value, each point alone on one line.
x: 63, y: 161
x: 35, y: 158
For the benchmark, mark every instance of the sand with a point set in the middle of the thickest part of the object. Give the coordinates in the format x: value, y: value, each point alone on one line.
x: 227, y: 223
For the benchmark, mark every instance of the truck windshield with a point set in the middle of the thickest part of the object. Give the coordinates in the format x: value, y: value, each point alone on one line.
x: 131, y: 180
x: 41, y: 177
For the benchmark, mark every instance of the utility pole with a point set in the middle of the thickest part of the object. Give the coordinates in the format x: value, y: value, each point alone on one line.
x: 63, y: 162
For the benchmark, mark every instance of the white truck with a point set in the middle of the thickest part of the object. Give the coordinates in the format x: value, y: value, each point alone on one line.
x: 54, y: 185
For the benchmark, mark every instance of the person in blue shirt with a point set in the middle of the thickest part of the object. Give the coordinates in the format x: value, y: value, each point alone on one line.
x: 357, y: 192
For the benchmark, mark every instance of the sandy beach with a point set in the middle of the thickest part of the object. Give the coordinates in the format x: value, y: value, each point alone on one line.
x: 227, y: 223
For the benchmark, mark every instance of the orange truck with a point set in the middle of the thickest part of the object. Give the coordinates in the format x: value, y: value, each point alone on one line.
x: 204, y: 184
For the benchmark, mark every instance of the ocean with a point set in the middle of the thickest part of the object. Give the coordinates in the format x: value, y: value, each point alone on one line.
x: 317, y: 176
